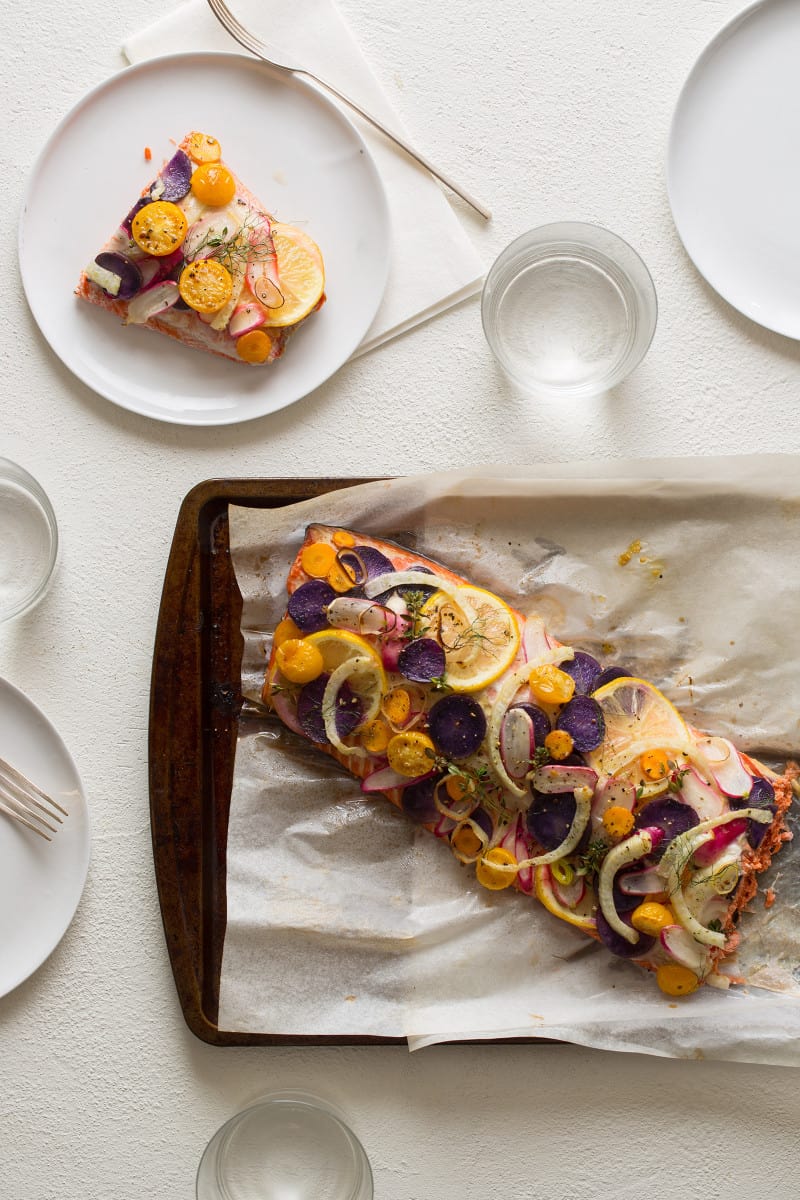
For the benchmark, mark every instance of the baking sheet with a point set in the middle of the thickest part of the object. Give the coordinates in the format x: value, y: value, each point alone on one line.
x: 343, y: 918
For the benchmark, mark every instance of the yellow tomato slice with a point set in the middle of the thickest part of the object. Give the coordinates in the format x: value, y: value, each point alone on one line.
x: 159, y: 228
x: 213, y: 184
x: 206, y: 285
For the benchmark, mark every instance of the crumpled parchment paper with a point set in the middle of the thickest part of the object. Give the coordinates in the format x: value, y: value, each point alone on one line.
x: 343, y: 918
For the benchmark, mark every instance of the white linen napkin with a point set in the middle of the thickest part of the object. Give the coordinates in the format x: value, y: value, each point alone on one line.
x: 433, y: 263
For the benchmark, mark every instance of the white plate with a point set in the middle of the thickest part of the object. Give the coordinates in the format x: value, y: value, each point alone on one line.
x: 290, y: 146
x: 40, y: 882
x: 733, y: 172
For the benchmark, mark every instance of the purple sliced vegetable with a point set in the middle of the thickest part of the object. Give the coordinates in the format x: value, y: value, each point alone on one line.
x: 457, y: 725
x: 140, y: 203
x: 582, y: 718
x: 762, y: 795
x: 541, y: 721
x: 374, y: 563
x: 176, y: 177
x: 129, y: 274
x: 482, y: 819
x: 670, y: 815
x: 421, y: 660
x: 617, y: 944
x: 626, y: 901
x: 308, y: 604
x: 584, y: 670
x: 417, y: 800
x: 607, y: 674
x: 405, y: 588
x: 349, y: 709
x: 549, y: 818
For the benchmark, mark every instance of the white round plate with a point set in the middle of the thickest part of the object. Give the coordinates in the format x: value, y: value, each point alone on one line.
x: 40, y: 882
x: 733, y: 171
x: 290, y: 145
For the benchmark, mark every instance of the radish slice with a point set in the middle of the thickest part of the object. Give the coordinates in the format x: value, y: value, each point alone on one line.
x: 262, y: 268
x: 641, y: 883
x: 287, y: 711
x: 726, y: 766
x: 152, y: 301
x: 150, y: 269
x: 612, y: 793
x: 681, y: 946
x: 720, y: 839
x: 555, y: 777
x: 535, y: 641
x: 522, y: 852
x: 583, y: 808
x: 569, y: 894
x: 703, y: 798
x: 637, y: 846
x: 517, y: 742
x: 205, y: 237
x: 364, y: 616
x: 385, y: 779
x: 680, y: 851
x: 511, y: 685
x: 246, y: 317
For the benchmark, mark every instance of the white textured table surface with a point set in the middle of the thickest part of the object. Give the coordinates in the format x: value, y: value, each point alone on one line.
x: 549, y: 109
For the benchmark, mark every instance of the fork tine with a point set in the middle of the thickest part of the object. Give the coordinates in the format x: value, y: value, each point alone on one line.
x: 234, y: 27
x: 29, y: 789
x: 17, y: 816
x: 22, y: 805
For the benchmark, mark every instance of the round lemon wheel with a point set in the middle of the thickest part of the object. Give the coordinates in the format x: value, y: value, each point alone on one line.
x: 638, y: 718
x: 580, y: 916
x: 301, y: 273
x: 479, y: 652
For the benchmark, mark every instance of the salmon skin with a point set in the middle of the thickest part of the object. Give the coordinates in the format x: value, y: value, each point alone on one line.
x: 542, y: 769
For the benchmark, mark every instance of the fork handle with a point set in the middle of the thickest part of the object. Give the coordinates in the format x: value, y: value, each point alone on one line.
x: 402, y: 143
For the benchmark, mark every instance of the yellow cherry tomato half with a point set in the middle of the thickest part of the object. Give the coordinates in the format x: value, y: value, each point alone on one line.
x: 213, y: 184
x: 676, y: 980
x: 459, y: 787
x: 397, y: 706
x: 159, y: 228
x: 203, y: 148
x: 285, y: 630
x: 550, y: 686
x: 465, y: 840
x: 618, y: 821
x: 254, y: 347
x: 559, y: 744
x: 375, y: 736
x: 651, y: 917
x: 487, y: 873
x: 206, y: 285
x: 299, y: 661
x: 411, y: 754
x: 317, y: 559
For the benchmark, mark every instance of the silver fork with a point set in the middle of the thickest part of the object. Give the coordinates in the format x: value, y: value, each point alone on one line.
x: 265, y: 53
x: 23, y: 801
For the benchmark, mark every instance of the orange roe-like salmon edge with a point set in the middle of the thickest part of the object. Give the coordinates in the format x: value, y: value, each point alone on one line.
x: 317, y: 559
x: 254, y: 347
x: 213, y: 184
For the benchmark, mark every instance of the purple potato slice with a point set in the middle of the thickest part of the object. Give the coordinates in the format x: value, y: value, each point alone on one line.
x: 606, y: 676
x: 457, y: 725
x: 422, y: 660
x: 308, y: 605
x: 541, y: 721
x: 669, y: 814
x: 617, y: 944
x: 582, y: 718
x: 365, y: 558
x: 584, y: 670
x: 418, y: 802
x: 176, y: 177
x: 130, y: 276
x: 549, y: 818
x: 761, y: 795
x: 349, y: 709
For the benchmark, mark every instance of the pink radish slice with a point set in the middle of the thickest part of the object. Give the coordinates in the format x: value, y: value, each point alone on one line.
x: 641, y: 883
x: 287, y: 711
x: 721, y: 838
x: 522, y: 849
x: 569, y: 894
x: 726, y: 765
x: 613, y: 793
x: 152, y: 301
x: 703, y: 798
x: 150, y: 269
x: 517, y: 742
x: 535, y: 641
x: 681, y: 946
x: 391, y: 649
x: 365, y: 616
x: 205, y: 237
x: 385, y: 779
x: 557, y: 778
x: 246, y: 317
x: 262, y: 269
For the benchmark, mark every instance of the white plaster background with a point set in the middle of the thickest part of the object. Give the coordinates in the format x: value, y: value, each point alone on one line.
x: 548, y: 109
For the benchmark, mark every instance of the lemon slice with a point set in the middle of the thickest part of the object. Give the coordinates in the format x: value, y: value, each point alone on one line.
x: 638, y: 718
x: 580, y: 916
x: 301, y: 273
x: 337, y: 645
x: 477, y: 651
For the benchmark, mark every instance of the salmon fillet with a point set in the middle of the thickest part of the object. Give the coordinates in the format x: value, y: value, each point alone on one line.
x: 575, y: 784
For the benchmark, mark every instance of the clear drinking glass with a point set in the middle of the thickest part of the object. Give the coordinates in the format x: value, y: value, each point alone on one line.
x: 28, y: 540
x: 286, y: 1146
x: 569, y: 310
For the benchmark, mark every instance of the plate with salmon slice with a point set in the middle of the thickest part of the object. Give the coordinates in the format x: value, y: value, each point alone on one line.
x: 539, y: 767
x: 212, y: 199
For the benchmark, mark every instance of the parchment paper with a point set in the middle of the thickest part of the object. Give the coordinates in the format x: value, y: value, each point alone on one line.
x: 343, y: 918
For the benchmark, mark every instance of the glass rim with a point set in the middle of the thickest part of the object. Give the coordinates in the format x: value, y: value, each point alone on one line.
x: 13, y: 472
